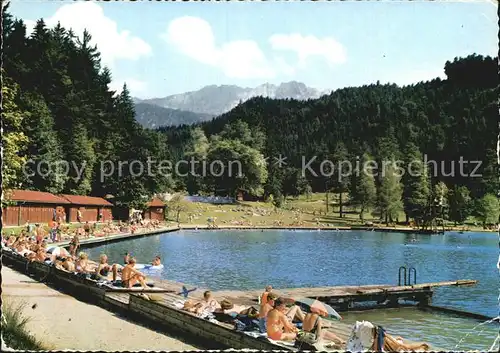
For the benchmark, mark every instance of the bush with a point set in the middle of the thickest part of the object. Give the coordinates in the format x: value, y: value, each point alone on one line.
x: 14, y: 332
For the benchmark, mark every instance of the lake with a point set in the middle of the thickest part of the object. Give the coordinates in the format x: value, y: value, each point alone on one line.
x: 234, y: 259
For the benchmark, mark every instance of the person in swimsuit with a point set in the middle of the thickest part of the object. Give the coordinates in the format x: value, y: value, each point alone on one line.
x: 208, y: 304
x: 104, y: 268
x: 265, y: 308
x: 74, y: 245
x: 86, y: 228
x: 312, y: 323
x: 263, y: 297
x: 277, y: 326
x: 131, y: 276
x: 126, y: 258
x: 82, y: 263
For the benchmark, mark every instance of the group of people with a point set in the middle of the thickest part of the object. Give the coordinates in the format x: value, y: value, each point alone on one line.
x: 36, y: 249
x: 275, y: 318
x: 280, y: 318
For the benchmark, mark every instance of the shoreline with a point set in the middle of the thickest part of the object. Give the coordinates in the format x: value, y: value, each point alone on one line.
x: 97, y: 241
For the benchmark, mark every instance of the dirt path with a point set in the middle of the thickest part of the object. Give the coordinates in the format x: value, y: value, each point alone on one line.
x: 62, y: 322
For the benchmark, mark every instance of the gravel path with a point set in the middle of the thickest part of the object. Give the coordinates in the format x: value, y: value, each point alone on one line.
x: 62, y: 322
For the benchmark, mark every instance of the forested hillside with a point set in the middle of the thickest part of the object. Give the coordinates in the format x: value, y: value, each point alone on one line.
x: 58, y: 106
x: 444, y: 120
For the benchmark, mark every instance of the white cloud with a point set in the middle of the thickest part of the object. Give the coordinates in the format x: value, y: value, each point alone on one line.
x: 136, y: 87
x: 194, y: 37
x: 113, y: 44
x: 309, y: 46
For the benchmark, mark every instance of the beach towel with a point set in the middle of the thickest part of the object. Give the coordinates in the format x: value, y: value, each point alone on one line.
x: 361, y: 338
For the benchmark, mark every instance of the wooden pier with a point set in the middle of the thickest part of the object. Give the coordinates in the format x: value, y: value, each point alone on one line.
x: 345, y: 298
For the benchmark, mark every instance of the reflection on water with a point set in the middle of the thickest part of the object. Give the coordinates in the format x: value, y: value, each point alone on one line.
x: 252, y: 259
x: 443, y: 331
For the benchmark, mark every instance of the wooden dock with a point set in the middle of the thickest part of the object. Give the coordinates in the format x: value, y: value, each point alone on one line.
x: 350, y: 297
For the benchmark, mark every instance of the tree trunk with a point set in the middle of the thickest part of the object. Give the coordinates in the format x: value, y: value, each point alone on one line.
x: 386, y: 219
x: 340, y: 205
x: 362, y: 214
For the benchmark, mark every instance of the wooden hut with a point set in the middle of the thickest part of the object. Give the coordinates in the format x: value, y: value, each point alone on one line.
x: 90, y: 207
x: 155, y: 210
x: 33, y: 207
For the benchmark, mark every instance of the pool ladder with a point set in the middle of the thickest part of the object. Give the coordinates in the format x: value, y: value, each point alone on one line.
x: 402, y: 276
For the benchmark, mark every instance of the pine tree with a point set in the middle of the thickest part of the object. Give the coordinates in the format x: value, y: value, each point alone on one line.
x: 389, y: 193
x: 14, y: 141
x: 44, y: 149
x: 341, y: 177
x: 363, y: 192
x: 459, y: 201
x: 416, y: 191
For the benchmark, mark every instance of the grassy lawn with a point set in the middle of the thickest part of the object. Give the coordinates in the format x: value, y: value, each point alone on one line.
x: 303, y: 210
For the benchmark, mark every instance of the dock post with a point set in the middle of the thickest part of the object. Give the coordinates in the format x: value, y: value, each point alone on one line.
x: 426, y: 298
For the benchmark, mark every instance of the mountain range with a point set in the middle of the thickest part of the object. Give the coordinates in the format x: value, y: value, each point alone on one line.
x: 210, y: 101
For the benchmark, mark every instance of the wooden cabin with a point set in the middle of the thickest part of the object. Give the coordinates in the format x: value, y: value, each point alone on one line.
x: 155, y: 210
x: 90, y: 208
x: 33, y: 207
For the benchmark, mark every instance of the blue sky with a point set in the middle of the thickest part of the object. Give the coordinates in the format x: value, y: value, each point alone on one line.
x: 162, y: 48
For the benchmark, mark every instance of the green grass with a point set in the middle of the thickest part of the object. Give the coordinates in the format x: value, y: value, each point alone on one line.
x: 14, y: 331
x: 307, y: 210
x: 17, y: 230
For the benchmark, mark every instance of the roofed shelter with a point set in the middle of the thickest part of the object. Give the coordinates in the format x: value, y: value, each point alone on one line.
x: 155, y: 210
x: 32, y: 206
x: 90, y: 207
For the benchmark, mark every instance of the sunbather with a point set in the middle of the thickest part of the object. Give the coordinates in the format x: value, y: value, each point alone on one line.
x: 131, y: 276
x: 208, y: 304
x: 227, y: 307
x: 263, y: 297
x: 278, y: 326
x: 82, y: 263
x: 103, y: 269
x: 313, y: 323
x: 265, y: 308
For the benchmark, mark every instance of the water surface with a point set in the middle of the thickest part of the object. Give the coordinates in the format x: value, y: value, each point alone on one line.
x: 233, y: 259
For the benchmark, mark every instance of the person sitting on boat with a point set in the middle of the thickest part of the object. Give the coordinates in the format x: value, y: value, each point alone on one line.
x: 103, y: 269
x: 131, y: 276
x: 278, y: 327
x: 313, y: 323
x: 265, y: 308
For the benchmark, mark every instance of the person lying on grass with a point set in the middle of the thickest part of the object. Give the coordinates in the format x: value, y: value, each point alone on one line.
x: 131, y: 276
